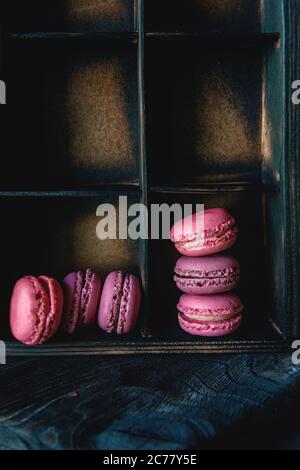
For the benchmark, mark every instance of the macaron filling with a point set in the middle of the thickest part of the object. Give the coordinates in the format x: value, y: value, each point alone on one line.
x: 203, y: 242
x: 232, y: 310
x: 71, y: 319
x: 213, y: 328
x: 86, y: 295
x: 207, y: 282
x: 124, y: 305
x: 196, y: 318
x: 190, y: 273
x: 116, y: 303
x: 220, y: 229
x: 213, y: 232
x: 50, y: 285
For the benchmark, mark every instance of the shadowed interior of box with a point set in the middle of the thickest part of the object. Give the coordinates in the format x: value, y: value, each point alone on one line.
x: 214, y: 15
x: 70, y: 15
x: 209, y: 102
x: 74, y: 110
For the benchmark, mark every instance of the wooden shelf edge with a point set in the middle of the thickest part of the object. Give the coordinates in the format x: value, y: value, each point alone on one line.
x: 107, y: 36
x: 215, y: 37
x: 207, y: 188
x: 150, y: 347
x: 118, y: 188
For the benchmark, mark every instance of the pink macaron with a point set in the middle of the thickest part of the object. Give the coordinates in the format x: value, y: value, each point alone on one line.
x: 204, y: 233
x: 210, y: 315
x: 120, y: 303
x: 213, y: 274
x: 36, y: 309
x: 82, y: 293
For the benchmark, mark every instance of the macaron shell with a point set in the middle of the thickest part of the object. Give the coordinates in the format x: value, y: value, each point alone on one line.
x: 55, y: 294
x: 72, y: 286
x: 130, y: 304
x: 29, y: 308
x: 211, y: 305
x: 89, y: 299
x: 210, y: 329
x: 110, y: 302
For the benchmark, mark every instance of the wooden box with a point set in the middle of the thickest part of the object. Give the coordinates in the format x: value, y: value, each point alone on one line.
x: 163, y: 101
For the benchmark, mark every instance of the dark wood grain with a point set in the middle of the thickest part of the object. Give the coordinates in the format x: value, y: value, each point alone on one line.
x: 101, y: 36
x: 178, y: 402
x: 206, y: 188
x: 65, y: 193
x: 91, y: 348
x: 292, y: 149
x: 144, y: 258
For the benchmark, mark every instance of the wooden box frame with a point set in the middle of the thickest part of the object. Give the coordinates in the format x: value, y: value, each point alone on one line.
x: 276, y: 188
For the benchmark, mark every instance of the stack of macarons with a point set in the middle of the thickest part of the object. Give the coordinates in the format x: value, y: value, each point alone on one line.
x: 206, y: 307
x: 40, y: 306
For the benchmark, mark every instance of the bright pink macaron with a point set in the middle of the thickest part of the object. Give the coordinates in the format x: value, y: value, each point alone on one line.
x: 204, y: 233
x: 36, y: 309
x: 82, y: 293
x: 210, y: 315
x: 120, y: 303
x: 213, y: 274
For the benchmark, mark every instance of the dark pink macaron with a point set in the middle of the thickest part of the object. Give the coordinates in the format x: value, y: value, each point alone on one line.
x: 36, y: 309
x: 213, y: 274
x: 82, y: 293
x: 120, y: 303
x: 210, y: 315
x: 204, y: 233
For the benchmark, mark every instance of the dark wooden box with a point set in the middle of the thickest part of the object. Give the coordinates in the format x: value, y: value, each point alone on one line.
x: 164, y: 101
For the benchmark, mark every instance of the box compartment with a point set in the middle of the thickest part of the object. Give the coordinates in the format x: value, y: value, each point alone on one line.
x: 253, y: 250
x: 208, y: 103
x: 72, y: 108
x: 213, y: 15
x: 70, y: 15
x: 55, y: 236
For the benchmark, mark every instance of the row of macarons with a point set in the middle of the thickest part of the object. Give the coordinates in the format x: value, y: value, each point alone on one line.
x: 205, y: 276
x: 40, y: 306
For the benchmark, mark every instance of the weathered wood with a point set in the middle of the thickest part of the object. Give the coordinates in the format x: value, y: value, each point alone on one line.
x: 142, y: 403
x: 101, y: 36
x: 292, y: 149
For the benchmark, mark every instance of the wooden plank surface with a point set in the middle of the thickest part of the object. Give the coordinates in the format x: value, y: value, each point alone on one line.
x: 134, y: 402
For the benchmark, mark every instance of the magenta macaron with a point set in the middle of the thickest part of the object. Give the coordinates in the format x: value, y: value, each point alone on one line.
x: 120, y: 303
x: 210, y: 315
x: 213, y: 274
x: 35, y: 309
x: 82, y: 293
x: 204, y: 233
